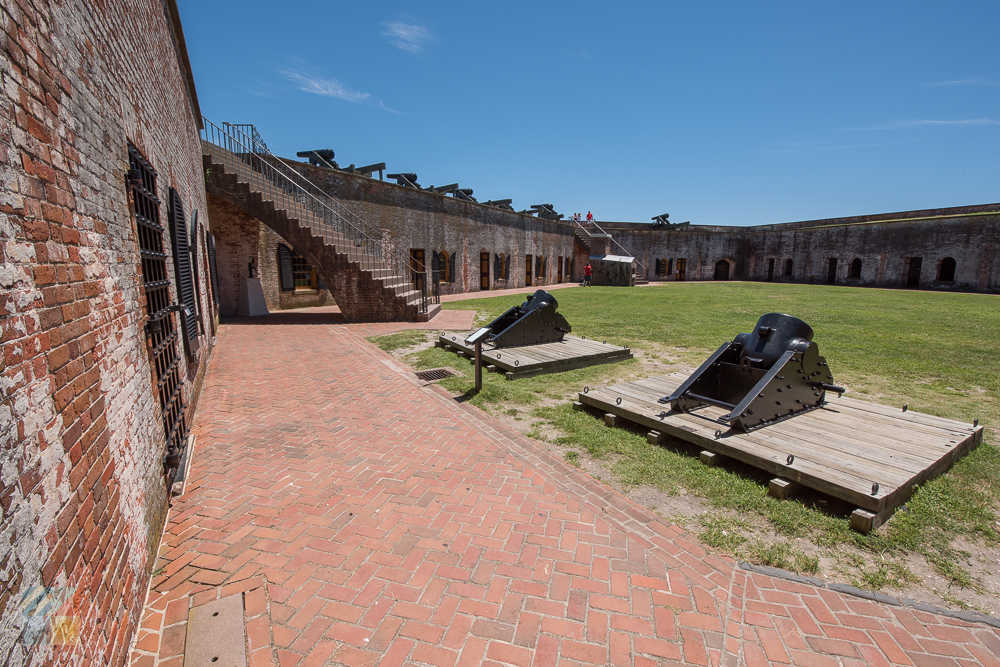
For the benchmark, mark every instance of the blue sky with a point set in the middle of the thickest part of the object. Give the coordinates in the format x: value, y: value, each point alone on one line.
x: 717, y: 112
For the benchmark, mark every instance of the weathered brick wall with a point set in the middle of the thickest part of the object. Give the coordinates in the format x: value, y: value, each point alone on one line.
x: 270, y: 278
x: 434, y: 222
x: 237, y: 239
x: 82, y: 496
x: 884, y: 244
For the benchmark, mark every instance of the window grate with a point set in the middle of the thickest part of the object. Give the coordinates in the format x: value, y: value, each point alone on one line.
x: 161, y: 330
x: 435, y: 374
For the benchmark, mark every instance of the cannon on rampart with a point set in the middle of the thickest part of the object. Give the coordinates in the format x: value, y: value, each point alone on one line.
x: 762, y: 377
x: 321, y: 157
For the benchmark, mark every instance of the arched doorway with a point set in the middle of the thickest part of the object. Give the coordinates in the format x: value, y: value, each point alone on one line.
x: 722, y: 270
x: 854, y: 269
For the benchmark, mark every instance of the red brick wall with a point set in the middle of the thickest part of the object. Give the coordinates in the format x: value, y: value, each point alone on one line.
x: 82, y: 496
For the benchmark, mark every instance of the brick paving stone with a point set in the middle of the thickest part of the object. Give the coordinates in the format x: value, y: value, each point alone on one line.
x: 389, y: 524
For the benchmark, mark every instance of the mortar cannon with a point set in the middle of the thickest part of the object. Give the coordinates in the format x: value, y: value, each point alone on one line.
x: 762, y: 377
x: 533, y: 322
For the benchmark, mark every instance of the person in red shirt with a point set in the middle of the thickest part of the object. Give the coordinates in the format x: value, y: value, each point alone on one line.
x: 590, y: 216
x: 588, y: 275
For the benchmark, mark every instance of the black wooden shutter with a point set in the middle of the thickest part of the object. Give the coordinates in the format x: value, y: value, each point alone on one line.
x: 194, y: 270
x: 285, y: 267
x: 435, y: 262
x: 496, y: 266
x: 182, y: 269
x: 451, y: 268
x: 211, y: 267
x: 506, y: 268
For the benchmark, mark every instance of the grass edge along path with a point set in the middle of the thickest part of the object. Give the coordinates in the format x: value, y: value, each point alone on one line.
x: 888, y: 346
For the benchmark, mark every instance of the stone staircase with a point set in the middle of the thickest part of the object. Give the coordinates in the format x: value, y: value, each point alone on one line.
x: 368, y: 282
x: 582, y: 236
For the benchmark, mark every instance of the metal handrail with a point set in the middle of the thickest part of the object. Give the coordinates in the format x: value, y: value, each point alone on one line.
x: 580, y: 225
x: 247, y: 155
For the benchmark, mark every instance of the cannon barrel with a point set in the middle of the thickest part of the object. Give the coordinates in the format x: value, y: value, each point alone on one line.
x: 325, y: 153
x: 762, y: 377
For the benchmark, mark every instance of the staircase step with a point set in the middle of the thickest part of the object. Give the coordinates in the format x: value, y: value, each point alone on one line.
x: 306, y: 215
x: 432, y: 310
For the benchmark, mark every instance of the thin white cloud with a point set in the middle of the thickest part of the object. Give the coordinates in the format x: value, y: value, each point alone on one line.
x: 318, y: 85
x: 809, y: 148
x: 900, y: 124
x: 409, y: 37
x: 964, y: 82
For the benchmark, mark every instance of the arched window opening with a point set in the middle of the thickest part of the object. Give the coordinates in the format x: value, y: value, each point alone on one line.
x: 947, y: 271
x: 722, y: 270
x: 788, y: 268
x: 854, y: 270
x: 444, y: 267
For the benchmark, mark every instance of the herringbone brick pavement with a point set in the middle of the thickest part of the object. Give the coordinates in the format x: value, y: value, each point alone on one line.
x: 390, y: 525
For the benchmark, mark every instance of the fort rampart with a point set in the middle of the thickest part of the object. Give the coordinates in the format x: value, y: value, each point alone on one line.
x: 944, y: 249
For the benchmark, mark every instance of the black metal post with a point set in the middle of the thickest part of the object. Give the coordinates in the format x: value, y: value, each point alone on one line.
x: 479, y: 365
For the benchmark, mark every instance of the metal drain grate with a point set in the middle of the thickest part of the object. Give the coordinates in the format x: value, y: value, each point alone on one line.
x: 434, y: 374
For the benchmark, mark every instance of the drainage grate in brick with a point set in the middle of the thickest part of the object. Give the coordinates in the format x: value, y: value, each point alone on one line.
x: 435, y: 374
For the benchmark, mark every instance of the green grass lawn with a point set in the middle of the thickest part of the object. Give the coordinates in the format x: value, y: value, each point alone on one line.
x: 939, y: 353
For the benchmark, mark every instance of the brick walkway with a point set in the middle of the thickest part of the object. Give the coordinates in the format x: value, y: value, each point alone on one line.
x: 388, y: 524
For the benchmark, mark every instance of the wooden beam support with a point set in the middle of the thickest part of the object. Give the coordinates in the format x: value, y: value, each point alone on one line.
x: 578, y: 406
x: 710, y: 458
x: 781, y: 488
x: 610, y: 419
x: 865, y: 522
x: 655, y: 437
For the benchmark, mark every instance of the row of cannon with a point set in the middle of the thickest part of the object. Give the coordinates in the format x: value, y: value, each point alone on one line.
x: 768, y: 375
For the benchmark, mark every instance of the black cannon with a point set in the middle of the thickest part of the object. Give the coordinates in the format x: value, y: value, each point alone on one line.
x: 407, y: 179
x: 762, y: 377
x: 321, y: 157
x: 533, y: 322
x: 500, y: 203
x: 546, y: 211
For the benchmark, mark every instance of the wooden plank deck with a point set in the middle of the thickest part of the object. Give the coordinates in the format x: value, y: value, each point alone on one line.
x: 840, y: 450
x: 520, y: 362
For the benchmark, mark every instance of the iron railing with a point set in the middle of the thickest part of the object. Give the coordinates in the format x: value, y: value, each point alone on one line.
x: 588, y: 233
x: 242, y: 152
